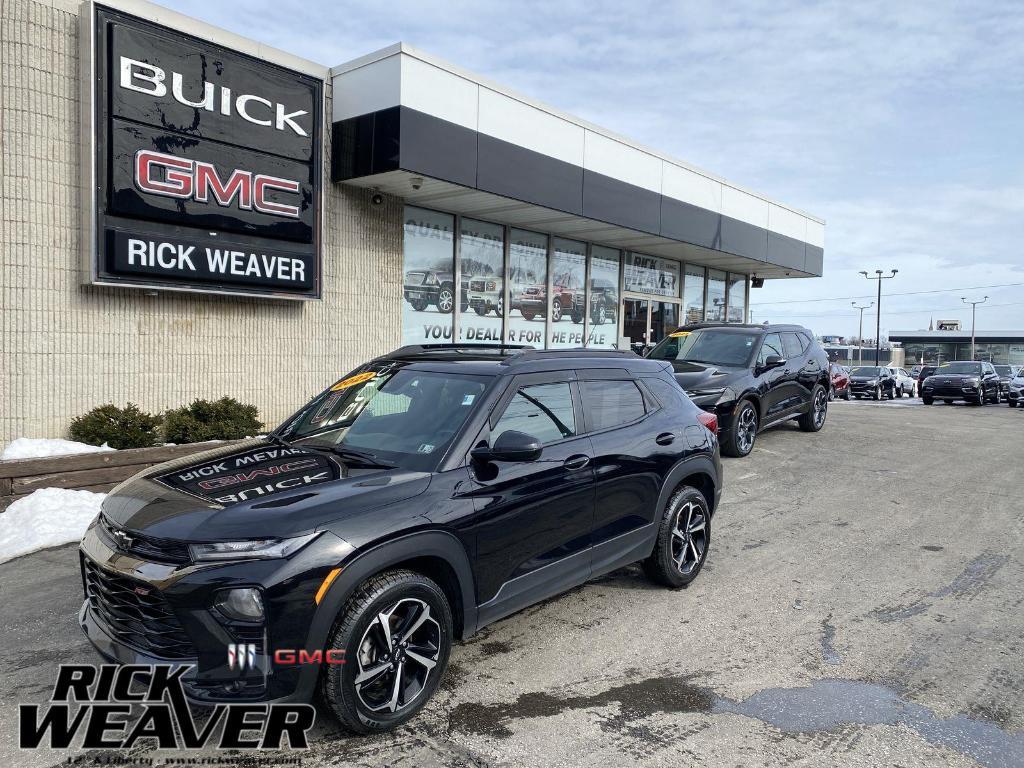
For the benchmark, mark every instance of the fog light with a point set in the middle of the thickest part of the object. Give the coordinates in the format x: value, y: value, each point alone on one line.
x: 242, y: 604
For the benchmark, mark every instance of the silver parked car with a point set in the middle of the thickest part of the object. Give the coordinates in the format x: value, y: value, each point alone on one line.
x: 905, y: 383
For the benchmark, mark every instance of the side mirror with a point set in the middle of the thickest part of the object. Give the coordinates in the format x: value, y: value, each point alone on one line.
x: 510, y: 446
x: 773, y: 361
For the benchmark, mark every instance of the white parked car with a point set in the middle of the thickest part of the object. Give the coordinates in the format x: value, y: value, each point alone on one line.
x: 905, y: 383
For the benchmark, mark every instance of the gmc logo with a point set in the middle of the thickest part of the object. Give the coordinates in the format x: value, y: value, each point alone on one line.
x: 248, y: 477
x: 157, y: 173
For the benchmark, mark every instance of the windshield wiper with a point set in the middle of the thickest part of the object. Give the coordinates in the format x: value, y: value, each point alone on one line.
x: 348, y: 453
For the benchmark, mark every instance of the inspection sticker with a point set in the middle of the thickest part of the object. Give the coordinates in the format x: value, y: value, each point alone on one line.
x: 351, y: 381
x: 679, y: 334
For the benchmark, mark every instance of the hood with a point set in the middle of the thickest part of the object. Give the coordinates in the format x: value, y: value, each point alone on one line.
x: 955, y: 376
x: 694, y: 377
x: 254, y: 490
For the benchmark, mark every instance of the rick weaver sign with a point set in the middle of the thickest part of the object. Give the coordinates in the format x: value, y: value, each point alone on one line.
x: 207, y: 164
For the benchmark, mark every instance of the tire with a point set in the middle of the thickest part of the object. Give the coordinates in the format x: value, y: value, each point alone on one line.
x: 556, y: 310
x: 418, y: 304
x: 740, y: 441
x: 814, y: 419
x: 927, y: 400
x: 480, y: 309
x: 577, y: 317
x: 446, y: 300
x: 599, y: 315
x: 678, y: 557
x: 831, y: 394
x: 500, y: 309
x: 528, y: 315
x: 846, y: 394
x: 877, y: 394
x: 397, y: 595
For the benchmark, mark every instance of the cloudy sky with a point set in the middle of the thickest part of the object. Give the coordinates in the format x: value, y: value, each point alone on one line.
x: 899, y: 123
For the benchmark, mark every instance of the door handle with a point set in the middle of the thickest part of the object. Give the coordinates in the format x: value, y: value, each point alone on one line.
x: 579, y: 461
x: 665, y: 438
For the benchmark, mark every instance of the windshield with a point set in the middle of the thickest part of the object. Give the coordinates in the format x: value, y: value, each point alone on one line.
x: 1004, y: 370
x: 866, y: 370
x: 927, y: 371
x: 707, y: 345
x: 972, y: 369
x: 389, y: 415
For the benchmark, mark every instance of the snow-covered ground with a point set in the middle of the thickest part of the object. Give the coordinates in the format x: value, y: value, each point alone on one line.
x: 46, y: 518
x: 34, y: 448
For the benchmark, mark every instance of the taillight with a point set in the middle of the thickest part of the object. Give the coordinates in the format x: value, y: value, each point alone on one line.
x: 709, y: 420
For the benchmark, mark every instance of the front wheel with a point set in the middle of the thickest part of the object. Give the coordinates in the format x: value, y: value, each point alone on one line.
x: 528, y: 315
x: 740, y: 439
x: 556, y: 310
x: 683, y: 539
x: 446, y: 300
x: 846, y: 394
x: 926, y: 400
x: 480, y: 309
x: 396, y: 635
x: 814, y: 419
x: 877, y: 394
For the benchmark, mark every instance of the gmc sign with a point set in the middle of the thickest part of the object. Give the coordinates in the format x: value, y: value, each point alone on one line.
x: 206, y: 164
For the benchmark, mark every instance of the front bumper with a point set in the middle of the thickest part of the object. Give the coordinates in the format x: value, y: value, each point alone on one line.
x: 288, y: 586
x: 951, y: 392
x: 864, y: 388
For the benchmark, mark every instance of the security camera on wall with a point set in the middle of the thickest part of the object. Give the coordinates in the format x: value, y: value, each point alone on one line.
x: 416, y: 182
x: 377, y: 199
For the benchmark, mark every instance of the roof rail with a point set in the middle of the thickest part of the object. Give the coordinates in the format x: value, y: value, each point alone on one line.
x: 416, y: 349
x: 579, y: 352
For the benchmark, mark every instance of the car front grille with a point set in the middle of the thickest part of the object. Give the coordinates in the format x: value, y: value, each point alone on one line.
x: 478, y: 285
x: 135, y: 613
x: 145, y: 547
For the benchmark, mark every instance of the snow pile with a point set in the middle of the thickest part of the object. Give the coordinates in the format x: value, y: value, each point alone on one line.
x: 35, y: 448
x: 46, y: 518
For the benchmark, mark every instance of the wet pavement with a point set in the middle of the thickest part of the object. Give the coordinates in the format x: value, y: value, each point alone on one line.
x: 861, y: 606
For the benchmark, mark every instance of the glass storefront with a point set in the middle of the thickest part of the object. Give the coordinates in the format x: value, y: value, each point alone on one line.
x: 568, y: 281
x: 528, y: 285
x: 481, y: 267
x: 428, y: 291
x: 552, y: 292
x: 941, y: 352
x: 693, y: 295
x: 737, y: 298
x: 716, y: 296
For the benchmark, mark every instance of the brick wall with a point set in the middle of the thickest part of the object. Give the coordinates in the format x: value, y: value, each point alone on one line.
x: 65, y: 347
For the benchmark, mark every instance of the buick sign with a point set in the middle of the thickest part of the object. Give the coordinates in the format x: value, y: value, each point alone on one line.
x: 206, y: 164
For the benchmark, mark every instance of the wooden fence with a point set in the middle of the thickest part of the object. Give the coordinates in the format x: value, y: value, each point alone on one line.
x: 85, y: 471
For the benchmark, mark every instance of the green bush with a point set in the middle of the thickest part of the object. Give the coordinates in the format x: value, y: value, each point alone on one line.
x: 224, y: 419
x: 126, y: 427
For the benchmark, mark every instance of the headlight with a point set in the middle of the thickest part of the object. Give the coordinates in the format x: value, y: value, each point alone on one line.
x: 492, y: 286
x: 245, y: 604
x: 263, y: 549
x: 727, y: 396
x: 972, y: 382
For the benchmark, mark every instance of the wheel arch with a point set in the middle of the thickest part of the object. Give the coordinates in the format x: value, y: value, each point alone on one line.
x: 695, y: 471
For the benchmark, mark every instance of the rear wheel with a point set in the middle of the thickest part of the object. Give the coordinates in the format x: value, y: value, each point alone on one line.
x: 740, y: 440
x: 683, y: 539
x: 446, y: 300
x: 396, y: 634
x: 814, y: 419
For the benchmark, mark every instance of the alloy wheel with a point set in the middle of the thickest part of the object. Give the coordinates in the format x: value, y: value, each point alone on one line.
x: 556, y: 310
x: 396, y: 655
x: 820, y: 408
x: 689, y: 537
x: 746, y: 429
x: 445, y: 300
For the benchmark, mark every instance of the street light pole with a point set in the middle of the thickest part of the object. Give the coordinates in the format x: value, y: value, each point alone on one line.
x: 860, y: 331
x: 974, y: 307
x: 878, y: 323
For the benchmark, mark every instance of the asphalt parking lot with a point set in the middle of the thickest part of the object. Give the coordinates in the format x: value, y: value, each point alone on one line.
x: 862, y: 605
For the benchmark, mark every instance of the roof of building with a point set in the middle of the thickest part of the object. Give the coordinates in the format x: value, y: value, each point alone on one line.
x: 984, y: 336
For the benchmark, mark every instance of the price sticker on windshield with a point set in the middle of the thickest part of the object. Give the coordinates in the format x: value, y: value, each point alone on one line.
x: 351, y: 381
x: 678, y: 334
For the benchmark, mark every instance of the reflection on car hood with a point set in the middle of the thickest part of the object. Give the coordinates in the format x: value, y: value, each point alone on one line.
x: 694, y: 377
x: 956, y: 376
x: 254, y: 490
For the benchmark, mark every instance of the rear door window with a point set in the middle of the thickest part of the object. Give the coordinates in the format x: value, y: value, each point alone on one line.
x: 793, y: 344
x: 772, y: 345
x: 610, y: 403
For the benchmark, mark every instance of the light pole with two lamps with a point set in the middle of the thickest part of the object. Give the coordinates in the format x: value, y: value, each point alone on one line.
x: 974, y: 307
x: 878, y: 324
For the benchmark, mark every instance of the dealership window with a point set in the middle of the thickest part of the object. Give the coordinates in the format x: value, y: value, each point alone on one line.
x: 429, y: 293
x: 481, y: 266
x: 716, y: 296
x: 528, y: 278
x: 693, y: 295
x: 602, y: 326
x: 737, y: 298
x: 649, y: 274
x: 567, y: 300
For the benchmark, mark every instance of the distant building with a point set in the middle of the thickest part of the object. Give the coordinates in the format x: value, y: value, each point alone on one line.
x: 1000, y: 347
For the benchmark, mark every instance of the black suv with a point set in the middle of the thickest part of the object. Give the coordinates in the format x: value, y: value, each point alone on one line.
x: 874, y: 381
x: 424, y: 287
x: 751, y: 376
x: 971, y: 381
x: 423, y: 496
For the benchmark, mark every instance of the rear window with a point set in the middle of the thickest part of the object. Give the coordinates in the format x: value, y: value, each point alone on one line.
x: 794, y: 344
x: 610, y: 403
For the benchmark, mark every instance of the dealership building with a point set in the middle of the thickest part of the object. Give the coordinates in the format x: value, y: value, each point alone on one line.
x: 188, y: 213
x: 997, y: 347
